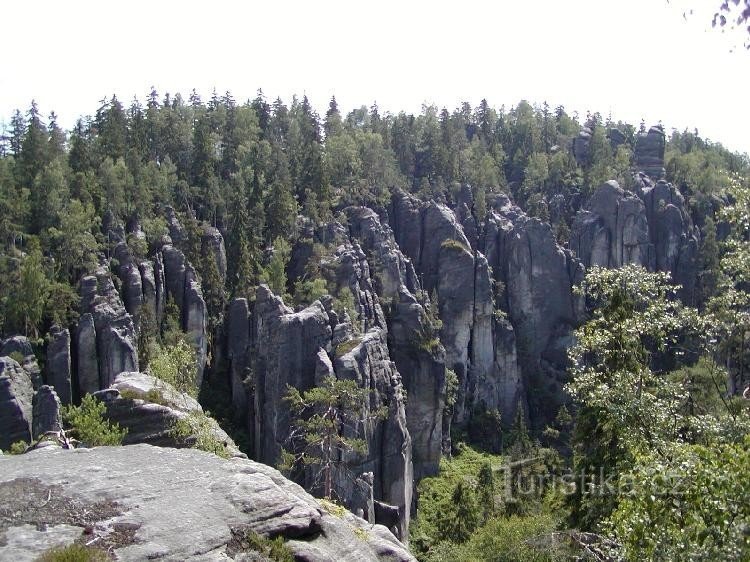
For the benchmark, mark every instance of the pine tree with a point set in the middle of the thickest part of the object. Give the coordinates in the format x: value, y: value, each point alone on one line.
x: 486, y: 492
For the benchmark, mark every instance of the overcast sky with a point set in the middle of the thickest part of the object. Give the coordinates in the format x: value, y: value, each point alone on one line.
x: 633, y: 58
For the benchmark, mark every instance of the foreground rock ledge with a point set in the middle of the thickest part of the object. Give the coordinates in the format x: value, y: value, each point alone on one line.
x: 144, y: 502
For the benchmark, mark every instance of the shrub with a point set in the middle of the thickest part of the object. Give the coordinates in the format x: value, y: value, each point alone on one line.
x: 18, y: 448
x: 88, y: 424
x: 176, y: 365
x: 451, y: 244
x: 197, y: 425
x: 73, y: 553
x: 345, y: 347
x: 270, y: 549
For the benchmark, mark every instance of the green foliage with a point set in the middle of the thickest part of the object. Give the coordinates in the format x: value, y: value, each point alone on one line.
x: 270, y: 549
x: 88, y: 424
x: 322, y: 414
x: 309, y: 290
x: 27, y: 299
x: 692, y: 505
x: 346, y: 346
x: 275, y: 273
x: 18, y: 448
x: 74, y: 243
x: 176, y: 364
x: 197, y: 429
x: 73, y: 553
x: 451, y: 244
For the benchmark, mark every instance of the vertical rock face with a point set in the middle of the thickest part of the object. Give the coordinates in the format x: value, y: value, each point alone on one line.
x: 389, y: 444
x: 238, y: 340
x: 653, y: 230
x: 295, y: 349
x: 115, y: 332
x: 538, y: 276
x: 582, y: 147
x: 130, y: 275
x: 286, y: 344
x: 16, y: 394
x: 58, y: 363
x: 214, y: 242
x: 46, y: 411
x: 21, y: 346
x: 422, y: 368
x: 392, y: 269
x: 195, y: 320
x: 88, y: 363
x: 174, y: 274
x: 423, y: 376
x: 614, y: 231
x: 649, y: 152
x: 673, y: 235
x: 150, y: 292
x: 183, y: 287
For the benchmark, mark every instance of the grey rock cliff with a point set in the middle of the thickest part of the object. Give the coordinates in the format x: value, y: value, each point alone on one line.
x: 389, y: 455
x: 151, y: 422
x: 115, y: 333
x: 46, y: 408
x: 21, y: 346
x: 649, y: 152
x: 88, y: 363
x: 16, y: 394
x: 58, y: 363
x: 172, y: 504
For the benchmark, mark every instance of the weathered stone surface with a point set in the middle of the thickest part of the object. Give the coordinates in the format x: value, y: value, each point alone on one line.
x: 174, y: 274
x: 149, y: 290
x: 213, y: 241
x: 46, y: 411
x: 389, y: 455
x: 538, y: 276
x: 88, y: 363
x: 285, y: 346
x: 20, y: 347
x: 16, y: 393
x: 455, y: 291
x: 582, y: 147
x: 115, y: 333
x: 391, y: 268
x: 179, y: 505
x: 423, y: 374
x: 150, y: 422
x: 406, y: 222
x: 616, y: 138
x: 195, y: 320
x: 238, y: 340
x: 649, y: 152
x: 176, y: 231
x: 614, y: 231
x: 58, y: 363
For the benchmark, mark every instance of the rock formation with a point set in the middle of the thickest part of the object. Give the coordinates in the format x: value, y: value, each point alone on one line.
x: 171, y: 504
x: 649, y: 152
x: 652, y: 229
x: 47, y: 415
x: 20, y: 348
x: 114, y: 332
x: 151, y: 409
x: 58, y: 364
x: 16, y: 395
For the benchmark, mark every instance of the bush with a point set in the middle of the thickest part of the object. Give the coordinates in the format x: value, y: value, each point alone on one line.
x: 176, y: 365
x: 89, y: 426
x: 18, y: 448
x: 73, y: 553
x: 197, y: 425
x: 450, y: 244
x: 270, y: 549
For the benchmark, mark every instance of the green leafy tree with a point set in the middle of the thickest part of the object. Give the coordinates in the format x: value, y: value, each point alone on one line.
x: 176, y: 364
x: 89, y: 425
x: 74, y: 242
x: 275, y: 273
x: 325, y: 415
x: 463, y: 515
x: 26, y: 303
x: 624, y: 407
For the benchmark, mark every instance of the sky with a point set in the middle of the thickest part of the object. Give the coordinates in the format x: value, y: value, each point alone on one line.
x: 635, y: 59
